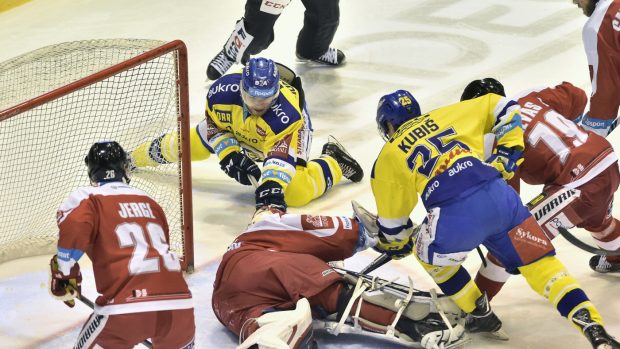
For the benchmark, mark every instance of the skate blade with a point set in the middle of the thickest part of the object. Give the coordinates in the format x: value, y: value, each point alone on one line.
x: 499, y: 335
x: 459, y: 344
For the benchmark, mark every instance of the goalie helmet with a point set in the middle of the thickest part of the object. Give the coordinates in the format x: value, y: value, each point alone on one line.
x: 107, y: 162
x: 482, y: 87
x: 395, y: 109
x: 260, y: 85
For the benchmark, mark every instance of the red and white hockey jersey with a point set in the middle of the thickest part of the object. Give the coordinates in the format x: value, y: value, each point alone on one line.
x: 124, y: 232
x: 557, y: 151
x: 601, y: 39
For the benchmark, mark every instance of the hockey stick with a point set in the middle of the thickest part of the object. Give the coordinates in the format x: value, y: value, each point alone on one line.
x: 253, y: 181
x: 582, y: 245
x: 377, y: 263
x: 91, y: 305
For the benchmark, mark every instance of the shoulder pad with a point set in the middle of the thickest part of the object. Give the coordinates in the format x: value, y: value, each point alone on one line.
x: 281, y: 115
x: 225, y: 90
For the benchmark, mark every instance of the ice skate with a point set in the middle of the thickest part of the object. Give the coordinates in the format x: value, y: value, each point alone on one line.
x: 351, y: 169
x: 332, y: 56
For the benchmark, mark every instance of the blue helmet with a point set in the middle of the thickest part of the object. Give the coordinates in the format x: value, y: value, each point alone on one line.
x: 395, y: 109
x: 260, y: 78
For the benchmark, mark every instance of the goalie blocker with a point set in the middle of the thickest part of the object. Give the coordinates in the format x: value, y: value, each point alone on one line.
x: 274, y: 273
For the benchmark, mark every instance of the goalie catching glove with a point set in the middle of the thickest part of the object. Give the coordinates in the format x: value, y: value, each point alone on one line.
x: 239, y: 166
x: 506, y: 160
x: 65, y: 287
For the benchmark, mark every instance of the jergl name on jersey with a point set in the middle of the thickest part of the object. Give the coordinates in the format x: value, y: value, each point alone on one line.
x: 135, y: 209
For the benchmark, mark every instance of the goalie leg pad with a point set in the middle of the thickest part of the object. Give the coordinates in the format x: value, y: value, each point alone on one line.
x: 291, y: 329
x: 404, y: 318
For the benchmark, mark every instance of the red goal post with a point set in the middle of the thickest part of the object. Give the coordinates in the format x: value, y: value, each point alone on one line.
x: 58, y: 100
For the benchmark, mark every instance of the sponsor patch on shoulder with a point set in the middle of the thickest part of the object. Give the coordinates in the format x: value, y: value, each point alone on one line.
x: 309, y: 222
x: 346, y: 222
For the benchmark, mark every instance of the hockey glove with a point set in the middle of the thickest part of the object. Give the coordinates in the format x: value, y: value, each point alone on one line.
x: 65, y: 287
x: 506, y: 160
x: 396, y: 250
x: 270, y: 194
x: 239, y: 166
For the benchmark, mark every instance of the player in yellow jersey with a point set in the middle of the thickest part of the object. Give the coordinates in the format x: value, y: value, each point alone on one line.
x: 257, y: 116
x: 438, y: 155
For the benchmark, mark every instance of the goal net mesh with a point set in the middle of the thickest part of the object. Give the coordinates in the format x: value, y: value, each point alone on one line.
x: 43, y: 145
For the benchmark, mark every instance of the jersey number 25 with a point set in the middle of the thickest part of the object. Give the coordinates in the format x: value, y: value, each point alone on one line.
x: 425, y: 153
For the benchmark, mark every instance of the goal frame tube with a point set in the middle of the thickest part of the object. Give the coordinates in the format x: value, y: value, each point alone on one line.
x: 182, y: 121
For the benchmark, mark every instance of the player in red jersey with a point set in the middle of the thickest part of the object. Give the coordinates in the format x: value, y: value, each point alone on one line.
x: 601, y: 40
x: 578, y: 168
x: 124, y: 232
x: 274, y: 280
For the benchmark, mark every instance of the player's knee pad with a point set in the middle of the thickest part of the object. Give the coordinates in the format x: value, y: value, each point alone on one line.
x: 291, y: 329
x: 419, y: 318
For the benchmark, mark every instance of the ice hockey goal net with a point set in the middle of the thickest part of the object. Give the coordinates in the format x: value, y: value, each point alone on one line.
x: 58, y: 100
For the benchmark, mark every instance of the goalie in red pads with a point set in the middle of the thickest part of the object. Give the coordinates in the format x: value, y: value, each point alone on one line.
x: 274, y: 280
x: 124, y: 232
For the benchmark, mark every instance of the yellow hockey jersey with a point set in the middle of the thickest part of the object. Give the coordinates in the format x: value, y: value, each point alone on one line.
x: 439, y: 156
x: 280, y: 138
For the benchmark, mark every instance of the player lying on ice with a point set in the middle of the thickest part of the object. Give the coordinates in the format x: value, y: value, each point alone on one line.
x: 275, y: 279
x: 440, y: 156
x: 579, y: 171
x: 260, y: 115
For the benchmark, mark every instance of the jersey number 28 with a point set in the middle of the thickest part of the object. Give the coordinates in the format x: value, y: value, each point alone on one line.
x: 132, y: 234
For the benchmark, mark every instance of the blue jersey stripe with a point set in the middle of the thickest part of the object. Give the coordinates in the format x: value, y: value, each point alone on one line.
x: 571, y: 300
x: 455, y: 283
x: 327, y: 173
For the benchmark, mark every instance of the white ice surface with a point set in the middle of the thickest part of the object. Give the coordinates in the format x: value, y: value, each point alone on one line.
x: 433, y: 48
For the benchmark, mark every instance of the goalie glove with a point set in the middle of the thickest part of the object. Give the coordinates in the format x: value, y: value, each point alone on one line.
x: 239, y: 166
x: 395, y: 249
x: 65, y: 287
x: 506, y: 160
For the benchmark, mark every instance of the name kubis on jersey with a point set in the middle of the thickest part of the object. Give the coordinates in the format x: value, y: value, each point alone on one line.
x: 549, y: 207
x: 416, y: 134
x: 135, y: 209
